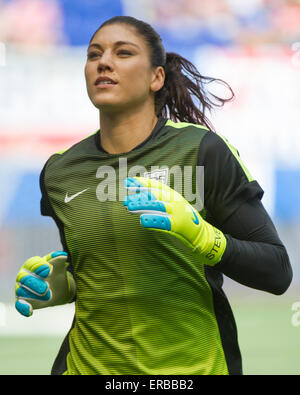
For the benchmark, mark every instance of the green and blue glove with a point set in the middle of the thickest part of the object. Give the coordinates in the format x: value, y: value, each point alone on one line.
x: 44, y: 282
x: 161, y: 207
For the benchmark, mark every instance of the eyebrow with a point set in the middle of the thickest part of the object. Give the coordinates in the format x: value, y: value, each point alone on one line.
x: 116, y: 44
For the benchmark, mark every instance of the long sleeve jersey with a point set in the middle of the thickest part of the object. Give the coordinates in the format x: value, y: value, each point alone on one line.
x: 145, y: 304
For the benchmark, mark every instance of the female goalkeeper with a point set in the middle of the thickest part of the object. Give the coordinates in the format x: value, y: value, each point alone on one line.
x: 148, y: 287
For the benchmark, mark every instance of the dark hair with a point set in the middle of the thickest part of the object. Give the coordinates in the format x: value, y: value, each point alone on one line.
x: 183, y: 97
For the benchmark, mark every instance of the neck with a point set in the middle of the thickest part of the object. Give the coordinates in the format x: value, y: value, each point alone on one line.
x: 122, y: 132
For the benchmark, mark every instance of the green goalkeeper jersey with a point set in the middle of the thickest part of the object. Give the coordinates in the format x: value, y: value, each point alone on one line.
x: 145, y: 304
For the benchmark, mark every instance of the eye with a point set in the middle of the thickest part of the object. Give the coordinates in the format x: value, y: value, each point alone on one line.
x: 92, y: 55
x: 124, y: 52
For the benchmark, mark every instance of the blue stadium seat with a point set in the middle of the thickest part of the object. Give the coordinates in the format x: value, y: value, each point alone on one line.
x: 287, y: 193
x: 82, y: 18
x: 24, y: 207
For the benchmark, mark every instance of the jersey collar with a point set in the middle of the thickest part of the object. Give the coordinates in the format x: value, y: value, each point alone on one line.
x: 155, y: 132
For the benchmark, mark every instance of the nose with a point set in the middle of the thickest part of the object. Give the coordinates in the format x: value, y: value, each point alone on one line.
x: 105, y: 62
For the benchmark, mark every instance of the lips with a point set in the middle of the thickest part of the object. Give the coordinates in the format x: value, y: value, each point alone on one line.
x: 103, y: 80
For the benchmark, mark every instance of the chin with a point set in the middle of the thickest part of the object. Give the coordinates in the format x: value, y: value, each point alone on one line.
x: 102, y: 102
x: 108, y: 107
x: 113, y: 105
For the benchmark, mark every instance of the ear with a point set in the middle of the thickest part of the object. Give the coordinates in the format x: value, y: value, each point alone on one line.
x: 158, y: 79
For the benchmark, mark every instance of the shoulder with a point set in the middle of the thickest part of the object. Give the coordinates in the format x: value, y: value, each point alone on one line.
x: 213, y: 147
x: 61, y: 157
x: 183, y: 133
x: 227, y: 181
x: 217, y: 150
x: 186, y: 127
x: 214, y: 143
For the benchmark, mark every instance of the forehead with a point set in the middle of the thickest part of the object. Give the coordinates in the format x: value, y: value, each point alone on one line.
x: 111, y: 34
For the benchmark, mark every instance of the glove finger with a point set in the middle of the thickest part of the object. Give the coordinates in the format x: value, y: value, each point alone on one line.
x: 154, y: 189
x: 56, y: 254
x: 38, y: 265
x: 138, y: 196
x: 32, y: 283
x: 24, y: 307
x: 144, y: 188
x: 57, y: 260
x: 143, y: 182
x: 159, y: 199
x: 138, y: 205
x: 24, y: 293
x: 156, y: 221
x: 133, y: 183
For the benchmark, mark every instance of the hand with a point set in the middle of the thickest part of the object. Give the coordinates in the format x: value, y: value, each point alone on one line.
x: 164, y: 209
x: 43, y: 282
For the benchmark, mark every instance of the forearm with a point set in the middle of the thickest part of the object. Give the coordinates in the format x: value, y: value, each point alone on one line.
x: 254, y: 255
x: 257, y: 265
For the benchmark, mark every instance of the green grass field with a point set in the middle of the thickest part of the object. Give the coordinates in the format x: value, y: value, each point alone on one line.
x: 269, y: 343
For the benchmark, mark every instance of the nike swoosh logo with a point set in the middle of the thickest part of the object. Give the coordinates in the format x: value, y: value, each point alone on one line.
x: 69, y: 198
x: 196, y: 220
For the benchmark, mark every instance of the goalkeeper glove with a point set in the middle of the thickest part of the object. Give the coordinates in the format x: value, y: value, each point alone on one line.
x: 43, y: 282
x: 162, y: 208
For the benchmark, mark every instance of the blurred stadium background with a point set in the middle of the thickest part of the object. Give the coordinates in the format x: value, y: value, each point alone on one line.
x: 254, y: 45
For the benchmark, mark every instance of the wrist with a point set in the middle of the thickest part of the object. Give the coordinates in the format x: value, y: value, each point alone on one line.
x: 210, y: 244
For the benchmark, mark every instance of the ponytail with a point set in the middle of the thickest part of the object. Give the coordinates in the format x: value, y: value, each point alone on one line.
x: 184, y: 96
